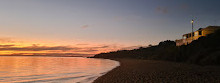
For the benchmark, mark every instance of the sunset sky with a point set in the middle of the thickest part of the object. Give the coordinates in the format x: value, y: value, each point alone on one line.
x: 86, y: 27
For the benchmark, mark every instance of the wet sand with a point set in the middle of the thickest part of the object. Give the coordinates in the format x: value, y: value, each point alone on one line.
x: 145, y: 71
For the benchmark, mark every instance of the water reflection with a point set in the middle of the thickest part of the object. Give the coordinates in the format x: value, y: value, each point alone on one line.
x: 50, y: 69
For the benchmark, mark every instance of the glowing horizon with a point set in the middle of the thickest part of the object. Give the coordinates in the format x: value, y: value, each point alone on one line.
x: 55, y: 49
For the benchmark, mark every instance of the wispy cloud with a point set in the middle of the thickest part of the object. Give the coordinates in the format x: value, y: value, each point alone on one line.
x: 82, y: 44
x: 162, y: 10
x: 6, y: 40
x: 85, y: 26
x: 105, y: 46
x: 52, y: 54
x: 6, y: 46
x: 36, y: 49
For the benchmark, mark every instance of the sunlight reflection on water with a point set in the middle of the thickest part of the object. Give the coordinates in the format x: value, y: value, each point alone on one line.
x: 52, y: 69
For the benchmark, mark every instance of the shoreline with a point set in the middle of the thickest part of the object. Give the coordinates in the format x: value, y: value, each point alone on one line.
x: 139, y: 71
x: 103, y: 73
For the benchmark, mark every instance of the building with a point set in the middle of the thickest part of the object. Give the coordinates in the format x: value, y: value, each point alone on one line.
x: 189, y: 37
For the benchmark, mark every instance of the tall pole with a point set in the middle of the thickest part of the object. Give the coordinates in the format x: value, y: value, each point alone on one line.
x: 192, y: 29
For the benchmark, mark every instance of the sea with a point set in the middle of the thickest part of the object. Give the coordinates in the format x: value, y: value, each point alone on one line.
x: 40, y: 69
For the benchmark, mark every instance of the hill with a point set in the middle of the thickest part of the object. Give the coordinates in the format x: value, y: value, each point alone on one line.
x: 204, y: 51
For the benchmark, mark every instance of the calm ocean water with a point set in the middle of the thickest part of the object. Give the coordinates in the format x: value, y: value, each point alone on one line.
x: 52, y: 69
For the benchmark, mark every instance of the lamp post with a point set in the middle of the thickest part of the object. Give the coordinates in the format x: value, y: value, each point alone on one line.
x: 192, y: 21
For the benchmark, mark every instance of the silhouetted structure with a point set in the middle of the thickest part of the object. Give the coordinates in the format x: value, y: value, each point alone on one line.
x: 189, y: 37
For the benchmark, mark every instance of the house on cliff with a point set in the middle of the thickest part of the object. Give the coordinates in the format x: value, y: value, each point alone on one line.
x: 189, y: 37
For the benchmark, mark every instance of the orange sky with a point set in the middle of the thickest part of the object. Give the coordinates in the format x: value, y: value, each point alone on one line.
x: 52, y: 48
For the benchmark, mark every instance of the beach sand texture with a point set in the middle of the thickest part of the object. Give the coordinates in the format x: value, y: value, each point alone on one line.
x: 149, y: 71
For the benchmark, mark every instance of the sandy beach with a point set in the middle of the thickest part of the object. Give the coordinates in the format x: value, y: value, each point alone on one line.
x: 145, y: 71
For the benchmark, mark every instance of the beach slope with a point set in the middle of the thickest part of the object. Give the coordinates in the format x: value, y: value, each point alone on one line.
x: 142, y: 71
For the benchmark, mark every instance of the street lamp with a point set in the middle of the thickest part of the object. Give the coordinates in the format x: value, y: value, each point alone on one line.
x: 192, y: 21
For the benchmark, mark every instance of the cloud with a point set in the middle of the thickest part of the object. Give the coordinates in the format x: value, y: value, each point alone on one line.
x: 85, y: 26
x: 6, y: 40
x: 48, y: 51
x: 37, y: 48
x: 162, y: 10
x: 82, y: 44
x: 101, y: 46
x: 52, y: 54
x: 184, y: 7
x: 5, y: 46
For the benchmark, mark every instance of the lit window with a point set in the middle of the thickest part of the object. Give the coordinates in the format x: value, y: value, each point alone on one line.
x: 196, y: 33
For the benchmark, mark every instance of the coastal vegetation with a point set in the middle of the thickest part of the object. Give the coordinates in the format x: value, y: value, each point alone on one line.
x: 204, y: 51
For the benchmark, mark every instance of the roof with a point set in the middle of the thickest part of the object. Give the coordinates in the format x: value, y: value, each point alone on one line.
x: 207, y: 28
x: 211, y: 27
